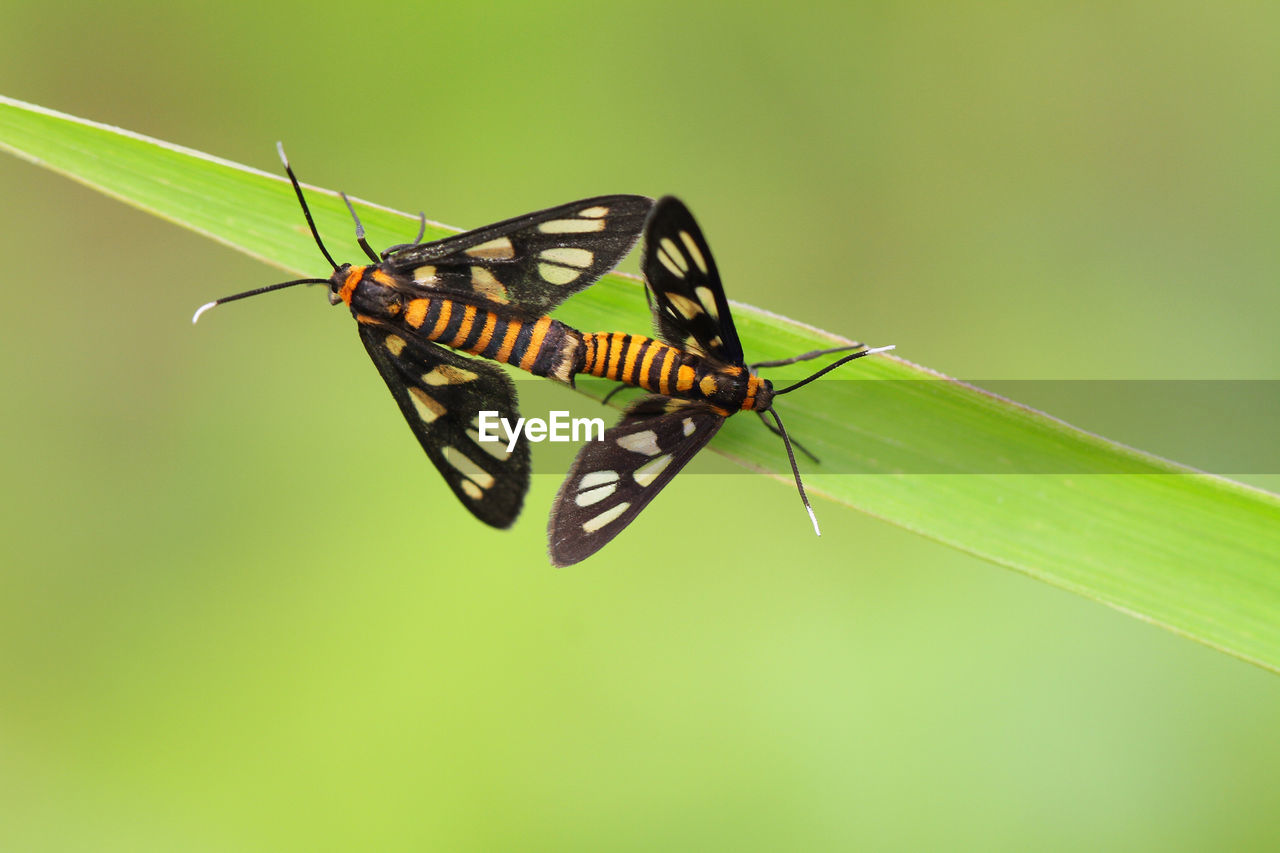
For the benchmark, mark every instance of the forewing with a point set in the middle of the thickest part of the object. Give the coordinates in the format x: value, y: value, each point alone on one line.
x: 441, y: 394
x: 687, y: 299
x: 535, y: 261
x: 613, y: 479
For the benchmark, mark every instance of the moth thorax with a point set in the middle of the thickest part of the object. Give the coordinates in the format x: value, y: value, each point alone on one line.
x: 373, y: 297
x: 726, y: 387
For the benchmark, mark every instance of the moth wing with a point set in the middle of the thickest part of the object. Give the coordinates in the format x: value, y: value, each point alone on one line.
x: 441, y: 394
x: 613, y: 479
x: 685, y: 294
x: 535, y: 261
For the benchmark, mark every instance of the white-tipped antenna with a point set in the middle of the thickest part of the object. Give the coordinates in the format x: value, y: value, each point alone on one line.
x: 814, y: 519
x: 297, y: 190
x: 306, y: 211
x: 781, y: 430
x: 791, y: 457
x: 270, y: 287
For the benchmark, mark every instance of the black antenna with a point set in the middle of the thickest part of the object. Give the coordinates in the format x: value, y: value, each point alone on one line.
x: 270, y: 287
x: 297, y: 189
x: 791, y: 457
x: 782, y: 431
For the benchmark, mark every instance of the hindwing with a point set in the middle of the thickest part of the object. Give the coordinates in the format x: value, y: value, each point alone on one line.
x: 441, y: 394
x: 535, y: 261
x: 686, y: 297
x: 613, y: 479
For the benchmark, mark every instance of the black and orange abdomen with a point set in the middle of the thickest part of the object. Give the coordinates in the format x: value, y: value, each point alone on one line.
x: 540, y: 345
x: 663, y: 369
x: 634, y: 360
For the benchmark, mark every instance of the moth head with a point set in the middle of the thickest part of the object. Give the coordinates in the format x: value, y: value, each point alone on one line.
x: 336, y: 282
x: 341, y: 274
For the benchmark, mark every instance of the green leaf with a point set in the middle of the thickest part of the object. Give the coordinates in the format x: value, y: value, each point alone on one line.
x: 1194, y: 553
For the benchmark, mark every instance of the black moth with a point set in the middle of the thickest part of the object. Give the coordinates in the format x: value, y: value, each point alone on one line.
x: 484, y: 292
x: 698, y: 375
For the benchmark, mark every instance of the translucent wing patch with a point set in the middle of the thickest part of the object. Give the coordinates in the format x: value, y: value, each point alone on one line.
x: 613, y: 479
x: 688, y: 302
x: 533, y: 262
x: 440, y: 394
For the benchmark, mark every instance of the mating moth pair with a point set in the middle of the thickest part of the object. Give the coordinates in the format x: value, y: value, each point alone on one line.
x: 418, y: 306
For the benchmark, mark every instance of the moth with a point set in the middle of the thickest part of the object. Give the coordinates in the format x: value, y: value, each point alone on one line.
x: 697, y: 376
x: 485, y: 292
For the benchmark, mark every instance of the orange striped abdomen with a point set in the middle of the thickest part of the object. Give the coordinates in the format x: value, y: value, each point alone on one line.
x: 663, y: 369
x: 540, y: 345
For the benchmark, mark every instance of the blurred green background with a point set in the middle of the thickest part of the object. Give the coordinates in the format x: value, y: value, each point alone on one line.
x: 240, y: 611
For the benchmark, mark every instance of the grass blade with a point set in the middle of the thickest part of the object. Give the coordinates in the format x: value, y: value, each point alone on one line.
x: 1197, y: 554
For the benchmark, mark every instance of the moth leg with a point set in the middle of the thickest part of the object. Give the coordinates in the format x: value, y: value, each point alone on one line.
x: 609, y: 396
x: 818, y: 353
x: 773, y: 429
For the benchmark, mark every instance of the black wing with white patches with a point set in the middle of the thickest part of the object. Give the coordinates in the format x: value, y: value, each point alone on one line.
x: 535, y: 261
x: 687, y: 299
x: 441, y: 394
x: 613, y: 479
